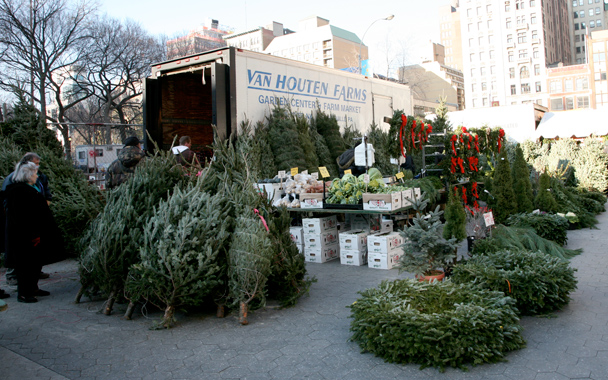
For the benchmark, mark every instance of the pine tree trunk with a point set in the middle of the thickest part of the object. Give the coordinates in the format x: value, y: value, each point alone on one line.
x: 243, y: 314
x: 79, y: 295
x: 168, y: 317
x: 130, y: 309
x: 221, y: 312
x: 110, y: 303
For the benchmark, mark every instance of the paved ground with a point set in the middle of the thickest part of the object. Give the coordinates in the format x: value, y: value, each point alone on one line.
x: 56, y: 339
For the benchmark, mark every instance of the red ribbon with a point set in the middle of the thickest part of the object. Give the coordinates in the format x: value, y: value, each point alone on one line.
x: 460, y: 163
x: 429, y: 130
x: 501, y: 134
x: 454, y: 163
x: 464, y: 195
x: 475, y: 204
x: 255, y: 210
x: 454, y: 140
x: 477, y: 143
x: 403, y: 123
x: 474, y: 190
x: 469, y: 142
x: 473, y: 162
x: 414, y: 134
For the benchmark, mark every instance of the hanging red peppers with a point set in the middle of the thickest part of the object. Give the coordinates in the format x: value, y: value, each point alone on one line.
x: 403, y: 123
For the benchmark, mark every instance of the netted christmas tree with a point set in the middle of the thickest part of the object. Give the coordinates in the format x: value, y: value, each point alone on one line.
x: 521, y: 182
x: 323, y: 153
x: 113, y: 239
x: 455, y: 218
x: 502, y: 189
x: 306, y: 142
x: 328, y: 127
x: 178, y: 261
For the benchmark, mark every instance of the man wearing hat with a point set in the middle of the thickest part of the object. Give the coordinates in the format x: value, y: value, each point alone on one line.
x: 123, y: 167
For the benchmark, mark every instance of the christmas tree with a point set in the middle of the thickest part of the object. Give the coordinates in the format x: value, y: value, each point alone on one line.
x: 521, y: 182
x: 284, y: 140
x: 544, y: 200
x: 455, y: 218
x: 179, y: 256
x: 502, y: 189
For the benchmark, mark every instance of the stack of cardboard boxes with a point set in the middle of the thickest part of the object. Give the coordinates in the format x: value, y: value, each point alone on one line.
x: 321, y: 242
x: 297, y: 236
x: 383, y: 250
x: 353, y: 247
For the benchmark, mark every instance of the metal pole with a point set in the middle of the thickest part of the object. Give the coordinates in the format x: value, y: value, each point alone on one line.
x: 362, y: 38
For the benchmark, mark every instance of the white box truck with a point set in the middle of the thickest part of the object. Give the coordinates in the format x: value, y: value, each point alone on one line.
x: 223, y: 87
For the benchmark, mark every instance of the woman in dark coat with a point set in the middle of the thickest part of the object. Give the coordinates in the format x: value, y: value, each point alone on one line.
x: 29, y: 231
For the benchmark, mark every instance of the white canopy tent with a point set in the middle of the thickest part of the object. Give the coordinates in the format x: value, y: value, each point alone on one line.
x: 578, y: 124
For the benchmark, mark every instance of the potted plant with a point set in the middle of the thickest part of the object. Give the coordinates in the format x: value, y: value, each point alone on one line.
x: 425, y: 251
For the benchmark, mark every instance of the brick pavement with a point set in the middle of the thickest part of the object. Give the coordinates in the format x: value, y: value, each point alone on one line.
x: 56, y: 339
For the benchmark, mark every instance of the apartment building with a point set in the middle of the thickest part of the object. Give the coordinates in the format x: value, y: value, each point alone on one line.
x: 588, y: 16
x: 207, y: 36
x: 320, y: 43
x: 256, y: 39
x: 506, y: 47
x: 449, y: 24
x: 569, y: 87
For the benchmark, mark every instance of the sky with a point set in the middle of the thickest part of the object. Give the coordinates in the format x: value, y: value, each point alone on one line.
x: 416, y: 22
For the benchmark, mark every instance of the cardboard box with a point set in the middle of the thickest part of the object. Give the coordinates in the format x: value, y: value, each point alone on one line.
x: 384, y: 243
x: 319, y: 225
x: 331, y: 252
x: 350, y: 257
x: 297, y: 235
x: 321, y: 241
x: 354, y: 240
x: 311, y: 200
x: 382, y: 202
x: 384, y: 260
x: 386, y: 225
x: 369, y: 223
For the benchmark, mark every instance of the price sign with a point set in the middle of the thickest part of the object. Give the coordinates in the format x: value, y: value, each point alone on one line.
x: 489, y: 219
x: 305, y: 172
x: 399, y: 175
x: 315, y: 175
x: 366, y: 178
x: 348, y: 171
x: 323, y: 171
x: 281, y: 173
x: 294, y: 171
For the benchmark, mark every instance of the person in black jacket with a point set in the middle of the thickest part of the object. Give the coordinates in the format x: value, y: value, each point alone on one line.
x: 124, y: 166
x: 43, y: 184
x: 30, y: 231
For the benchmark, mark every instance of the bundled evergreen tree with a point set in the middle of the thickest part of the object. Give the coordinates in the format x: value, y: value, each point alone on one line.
x: 544, y: 200
x: 382, y: 143
x: 249, y: 262
x: 502, y: 189
x: 441, y: 124
x: 521, y: 182
x: 268, y: 168
x: 351, y: 137
x: 284, y: 140
x: 114, y: 238
x: 10, y: 154
x: 455, y: 218
x: 323, y: 153
x: 179, y: 263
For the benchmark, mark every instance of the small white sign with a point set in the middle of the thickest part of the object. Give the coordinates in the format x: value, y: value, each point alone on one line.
x: 488, y: 218
x: 304, y: 172
x: 315, y: 175
x: 281, y: 173
x: 366, y: 178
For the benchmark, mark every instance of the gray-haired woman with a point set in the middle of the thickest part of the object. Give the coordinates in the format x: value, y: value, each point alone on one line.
x: 28, y: 235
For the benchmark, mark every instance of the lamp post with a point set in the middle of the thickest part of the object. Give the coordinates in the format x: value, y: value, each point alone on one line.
x: 361, y: 43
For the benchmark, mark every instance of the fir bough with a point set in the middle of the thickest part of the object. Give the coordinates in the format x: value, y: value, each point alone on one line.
x: 502, y: 189
x: 521, y: 182
x: 436, y: 324
x: 538, y: 282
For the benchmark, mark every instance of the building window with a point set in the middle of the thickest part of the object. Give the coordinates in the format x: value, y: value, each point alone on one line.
x: 533, y: 18
x: 569, y: 103
x: 597, y: 11
x: 482, y: 70
x: 81, y: 155
x: 557, y: 104
x: 509, y: 38
x: 575, y: 14
x: 511, y: 72
x: 536, y: 53
x: 523, y: 53
x: 519, y: 5
x: 472, y: 72
x: 534, y: 35
x: 488, y: 8
x: 471, y: 57
x: 582, y: 102
x: 470, y: 27
x: 508, y: 23
x: 532, y: 3
x: 473, y: 87
x: 600, y: 76
x: 592, y: 24
x: 479, y: 25
x: 578, y: 50
x: 555, y: 86
x: 521, y: 37
x: 524, y: 72
x: 507, y: 6
x: 513, y: 89
x: 598, y: 23
x: 491, y: 54
x: 599, y: 57
x: 581, y: 14
x: 569, y: 85
x: 480, y: 40
x: 538, y: 87
x: 474, y: 103
x: 579, y: 61
x: 583, y: 25
x: 492, y: 69
x: 484, y: 102
x: 493, y: 85
x: 469, y: 12
x: 536, y: 69
x: 470, y: 42
x: 577, y: 38
x: 491, y: 39
x: 510, y: 57
x: 576, y: 26
x: 483, y: 86
x: 590, y: 12
x: 574, y: 3
x: 582, y: 84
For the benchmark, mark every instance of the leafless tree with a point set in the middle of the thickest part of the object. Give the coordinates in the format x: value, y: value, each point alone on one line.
x: 38, y: 39
x: 119, y: 60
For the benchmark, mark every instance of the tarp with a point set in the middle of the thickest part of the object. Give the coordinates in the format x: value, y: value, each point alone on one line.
x: 577, y: 123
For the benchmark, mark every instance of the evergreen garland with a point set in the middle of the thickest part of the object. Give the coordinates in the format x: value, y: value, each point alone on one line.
x: 179, y: 256
x: 502, y: 189
x: 521, y: 183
